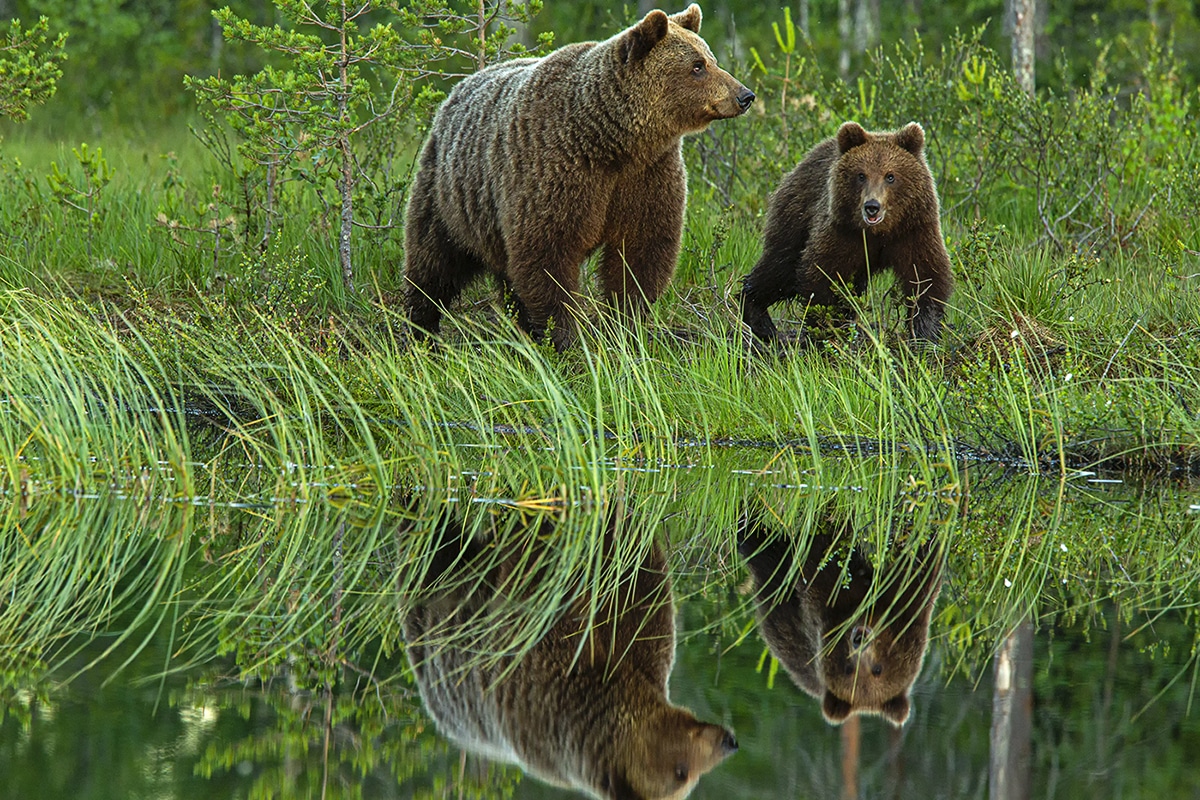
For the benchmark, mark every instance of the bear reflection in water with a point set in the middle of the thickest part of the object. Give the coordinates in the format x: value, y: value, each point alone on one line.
x: 851, y: 637
x: 585, y: 706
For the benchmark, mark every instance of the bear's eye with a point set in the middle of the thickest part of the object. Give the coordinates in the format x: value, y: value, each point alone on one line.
x: 862, y: 177
x: 890, y: 178
x: 681, y: 773
x: 698, y: 68
x: 877, y: 670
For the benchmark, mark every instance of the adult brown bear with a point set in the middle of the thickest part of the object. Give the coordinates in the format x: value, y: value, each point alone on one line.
x: 533, y: 164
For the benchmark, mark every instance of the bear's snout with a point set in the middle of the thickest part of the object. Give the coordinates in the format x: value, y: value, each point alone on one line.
x: 872, y: 212
x: 731, y: 99
x: 729, y: 742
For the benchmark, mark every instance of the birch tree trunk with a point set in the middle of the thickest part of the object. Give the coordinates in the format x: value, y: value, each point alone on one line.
x: 844, y: 31
x: 346, y: 177
x: 1024, y: 21
x: 1012, y: 715
x: 866, y: 25
x: 215, y: 48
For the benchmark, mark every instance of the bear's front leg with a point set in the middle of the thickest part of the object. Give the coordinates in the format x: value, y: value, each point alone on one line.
x: 928, y: 286
x: 642, y: 233
x: 774, y: 279
x: 547, y: 286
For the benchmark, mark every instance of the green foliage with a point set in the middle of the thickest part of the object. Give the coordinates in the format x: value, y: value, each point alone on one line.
x: 1083, y: 168
x: 452, y: 33
x: 209, y: 225
x: 1095, y: 306
x: 304, y: 121
x: 257, y: 443
x: 318, y: 104
x: 30, y: 66
x: 23, y: 209
x: 82, y: 193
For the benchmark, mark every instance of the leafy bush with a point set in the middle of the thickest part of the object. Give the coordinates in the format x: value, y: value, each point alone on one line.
x: 29, y: 67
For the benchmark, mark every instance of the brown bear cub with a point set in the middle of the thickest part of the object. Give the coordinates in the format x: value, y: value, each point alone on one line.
x: 853, y: 639
x: 533, y: 164
x: 858, y: 204
x: 585, y: 706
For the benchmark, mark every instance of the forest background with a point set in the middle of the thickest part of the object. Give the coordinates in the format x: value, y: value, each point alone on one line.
x: 128, y: 58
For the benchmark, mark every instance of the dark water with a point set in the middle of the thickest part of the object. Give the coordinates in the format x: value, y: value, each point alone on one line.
x: 212, y: 700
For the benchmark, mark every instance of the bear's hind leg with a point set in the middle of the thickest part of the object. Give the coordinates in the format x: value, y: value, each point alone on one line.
x: 436, y: 270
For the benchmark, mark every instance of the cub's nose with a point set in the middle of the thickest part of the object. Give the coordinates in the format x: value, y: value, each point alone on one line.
x: 729, y: 741
x: 871, y: 207
x: 745, y: 99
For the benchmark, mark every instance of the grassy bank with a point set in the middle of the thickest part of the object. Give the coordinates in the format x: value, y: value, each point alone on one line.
x: 150, y: 320
x: 94, y: 393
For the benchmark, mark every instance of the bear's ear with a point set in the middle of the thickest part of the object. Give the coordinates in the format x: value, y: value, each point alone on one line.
x: 835, y: 709
x: 639, y: 40
x: 688, y: 18
x: 896, y: 710
x: 912, y: 138
x: 851, y: 134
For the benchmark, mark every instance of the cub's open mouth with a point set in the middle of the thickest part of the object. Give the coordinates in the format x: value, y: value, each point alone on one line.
x: 873, y: 218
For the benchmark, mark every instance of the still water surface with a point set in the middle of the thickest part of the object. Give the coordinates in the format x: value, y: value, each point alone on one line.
x: 772, y: 590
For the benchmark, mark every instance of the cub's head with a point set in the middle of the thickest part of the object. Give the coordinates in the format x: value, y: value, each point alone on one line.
x: 666, y: 63
x: 874, y: 659
x: 880, y: 182
x: 664, y: 756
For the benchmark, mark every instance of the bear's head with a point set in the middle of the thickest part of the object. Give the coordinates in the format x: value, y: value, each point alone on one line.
x: 880, y: 179
x: 665, y: 755
x: 664, y: 60
x: 871, y: 665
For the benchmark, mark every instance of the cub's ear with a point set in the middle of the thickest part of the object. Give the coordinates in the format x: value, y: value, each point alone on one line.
x: 835, y: 709
x: 896, y: 710
x: 638, y: 41
x: 851, y: 134
x: 614, y: 787
x: 688, y: 18
x: 912, y: 138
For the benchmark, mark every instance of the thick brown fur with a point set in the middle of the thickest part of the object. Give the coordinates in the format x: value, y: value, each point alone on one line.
x: 586, y: 706
x: 858, y: 204
x: 533, y: 164
x: 854, y: 640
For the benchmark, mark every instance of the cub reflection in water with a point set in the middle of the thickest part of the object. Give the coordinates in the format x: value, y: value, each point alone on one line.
x: 585, y: 705
x: 851, y: 637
